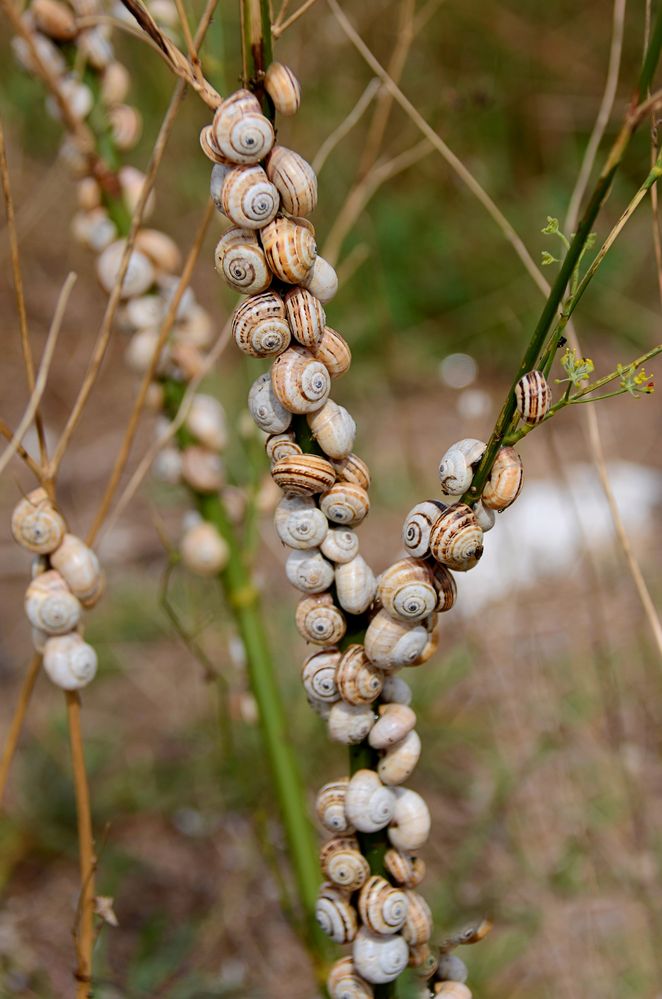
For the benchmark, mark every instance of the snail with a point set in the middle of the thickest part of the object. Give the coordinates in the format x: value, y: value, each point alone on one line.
x: 54, y: 19
x: 290, y: 250
x: 321, y: 280
x: 144, y: 311
x: 404, y: 868
x: 126, y: 126
x: 50, y: 605
x: 417, y: 526
x: 334, y: 429
x: 308, y: 570
x: 202, y: 469
x: 353, y: 469
x: 115, y: 83
x: 395, y: 722
x: 355, y: 585
x: 368, y: 804
x: 335, y: 914
x: 391, y: 644
x: 160, y: 248
x: 203, y: 550
x: 303, y: 474
x: 456, y: 469
x: 456, y: 539
x: 340, y: 545
x: 318, y: 620
x: 396, y: 690
x: 306, y: 317
x: 330, y: 806
x: 343, y: 864
x: 357, y: 680
x: 69, y: 661
x: 266, y: 408
x: 241, y: 262
x: 399, y: 761
x: 343, y: 982
x: 410, y: 825
x: 300, y: 382
x: 139, y: 275
x: 533, y: 397
x: 206, y: 421
x: 484, y: 516
x: 294, y: 179
x: 452, y: 969
x: 283, y: 88
x: 299, y: 523
x: 382, y: 908
x: 79, y: 568
x: 241, y: 131
x: 345, y: 503
x: 213, y: 153
x: 140, y: 351
x: 94, y: 229
x: 407, y: 590
x: 36, y: 524
x: 505, y: 481
x: 259, y: 326
x: 452, y: 990
x: 248, y: 197
x: 417, y: 928
x: 167, y: 465
x: 425, y: 961
x: 334, y: 353
x: 132, y: 182
x: 280, y: 446
x: 445, y: 585
x: 319, y: 675
x: 378, y: 958
x: 350, y: 723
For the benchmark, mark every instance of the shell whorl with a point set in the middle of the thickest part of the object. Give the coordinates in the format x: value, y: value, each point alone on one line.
x: 334, y: 429
x: 259, y: 326
x: 318, y: 619
x: 335, y: 914
x: 344, y: 982
x: 410, y: 824
x: 283, y: 88
x: 248, y: 197
x: 330, y: 806
x: 355, y: 585
x: 299, y: 523
x: 417, y: 526
x: 345, y: 503
x: 241, y: 262
x: 280, y: 446
x: 533, y: 397
x: 379, y: 958
x: 241, y: 132
x: 308, y: 570
x: 350, y: 723
x: 505, y: 481
x: 357, y: 680
x: 50, y: 605
x: 306, y: 317
x: 343, y: 863
x: 383, y: 908
x: 36, y: 525
x: 303, y: 474
x: 407, y: 590
x: 456, y: 539
x: 369, y: 804
x: 334, y: 352
x: 405, y: 868
x: 294, y: 179
x: 340, y: 545
x: 390, y: 643
x: 319, y: 675
x: 266, y: 408
x: 417, y: 928
x: 289, y: 248
x: 301, y: 383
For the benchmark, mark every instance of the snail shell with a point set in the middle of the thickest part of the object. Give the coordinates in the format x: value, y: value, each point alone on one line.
x: 410, y: 825
x: 395, y: 722
x: 321, y: 280
x: 259, y: 326
x: 294, y: 179
x: 54, y: 19
x: 160, y: 248
x: 265, y: 407
x: 334, y: 353
x: 425, y: 960
x: 50, y: 605
x: 141, y: 349
x: 452, y: 990
x: 94, y: 229
x: 241, y: 131
x: 340, y: 545
x: 306, y: 318
x: 357, y: 680
x: 383, y: 908
x: 407, y: 590
x: 290, y: 249
x: 533, y: 397
x: 378, y: 958
x: 132, y: 182
x: 417, y: 927
x: 396, y: 690
x: 248, y: 197
x: 303, y: 474
x: 431, y: 645
x: 350, y: 723
x: 505, y: 481
x: 213, y: 153
x: 399, y: 762
x: 115, y: 83
x: 69, y: 661
x: 391, y: 643
x: 126, y: 126
x: 368, y: 804
x: 456, y: 539
x: 280, y: 446
x: 308, y: 570
x: 283, y: 88
x: 484, y: 516
x: 36, y: 525
x: 203, y: 550
x: 343, y: 864
x: 344, y: 982
x: 330, y: 806
x: 456, y: 469
x: 139, y: 274
x: 355, y: 585
x: 353, y: 469
x: 241, y: 262
x: 167, y: 465
x: 145, y: 312
x: 319, y: 675
x: 78, y: 566
x: 301, y: 383
x: 218, y: 174
x: 345, y: 503
x: 206, y: 421
x: 202, y: 469
x: 452, y: 968
x: 417, y: 526
x: 299, y: 523
x: 334, y: 429
x: 404, y: 868
x: 335, y: 915
x: 318, y: 620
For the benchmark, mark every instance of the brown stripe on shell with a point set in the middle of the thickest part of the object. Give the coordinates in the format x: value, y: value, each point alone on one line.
x: 456, y: 539
x: 303, y: 474
x: 357, y: 680
x: 343, y: 863
x: 334, y: 353
x: 306, y: 317
x: 505, y: 481
x: 259, y: 326
x: 533, y: 396
x: 289, y: 248
x: 295, y: 180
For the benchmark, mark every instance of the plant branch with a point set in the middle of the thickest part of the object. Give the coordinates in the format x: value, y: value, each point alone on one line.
x: 18, y: 717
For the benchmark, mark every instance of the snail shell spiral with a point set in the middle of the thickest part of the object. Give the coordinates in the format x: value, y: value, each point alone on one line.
x: 294, y: 179
x: 50, y: 605
x: 335, y: 915
x: 306, y: 317
x: 259, y: 326
x: 139, y: 275
x: 78, y: 566
x: 345, y: 503
x: 395, y: 722
x: 303, y: 474
x: 318, y: 620
x: 446, y: 587
x: 241, y: 262
x: 353, y: 469
x: 280, y: 446
x: 266, y: 409
x: 301, y: 382
x: 456, y: 469
x: 299, y: 523
x: 357, y: 680
x: 369, y: 805
x: 69, y: 661
x: 248, y: 197
x: 36, y: 525
x: 319, y: 675
x: 330, y: 806
x: 396, y: 690
x: 533, y: 397
x: 505, y: 481
x: 378, y: 958
x: 308, y: 570
x: 407, y: 590
x: 383, y: 908
x: 345, y: 983
x: 417, y: 526
x: 241, y: 131
x: 350, y: 724
x: 405, y: 868
x: 456, y: 539
x: 290, y: 250
x: 452, y: 968
x: 211, y: 151
x: 391, y: 643
x: 399, y: 761
x: 340, y: 545
x: 343, y: 863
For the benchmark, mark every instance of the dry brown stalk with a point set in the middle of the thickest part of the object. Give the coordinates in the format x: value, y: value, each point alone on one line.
x: 84, y: 927
x: 279, y: 27
x: 9, y: 435
x: 16, y: 725
x: 346, y: 125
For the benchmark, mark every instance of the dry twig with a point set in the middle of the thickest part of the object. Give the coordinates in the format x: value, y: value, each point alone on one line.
x: 16, y: 724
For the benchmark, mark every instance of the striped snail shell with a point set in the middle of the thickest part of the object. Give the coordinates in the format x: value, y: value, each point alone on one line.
x: 452, y: 990
x: 213, y: 153
x: 399, y: 761
x: 391, y: 644
x: 335, y: 914
x: 259, y: 326
x: 160, y: 248
x: 206, y: 421
x: 505, y: 481
x: 203, y: 550
x: 306, y: 317
x: 382, y: 908
x: 355, y: 585
x: 241, y: 262
x: 294, y: 179
x: 452, y: 969
x: 78, y: 566
x: 248, y: 197
x: 456, y: 469
x: 334, y: 429
x: 484, y: 516
x: 139, y: 274
x: 343, y: 863
x: 318, y: 619
x: 407, y: 590
x: 308, y: 570
x: 280, y: 446
x: 54, y: 19
x: 410, y: 825
x: 319, y: 674
x: 36, y: 525
x: 241, y: 131
x: 345, y: 503
x: 369, y: 805
x: 357, y: 680
x: 290, y: 249
x: 430, y: 647
x: 456, y: 539
x: 417, y: 526
x: 340, y: 545
x: 299, y: 523
x: 301, y: 382
x: 405, y: 868
x: 202, y: 469
x: 69, y: 661
x: 334, y: 353
x: 395, y: 722
x: 321, y: 280
x: 345, y: 983
x: 533, y: 397
x: 378, y: 958
x: 417, y: 927
x: 353, y: 469
x: 350, y: 724
x: 265, y: 407
x: 283, y: 88
x: 446, y: 587
x: 50, y: 605
x: 303, y: 474
x: 330, y: 806
x: 396, y: 690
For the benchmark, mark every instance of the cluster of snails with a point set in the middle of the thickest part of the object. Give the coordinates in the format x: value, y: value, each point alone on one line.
x: 66, y: 578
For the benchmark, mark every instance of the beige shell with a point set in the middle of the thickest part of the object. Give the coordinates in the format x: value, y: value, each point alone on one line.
x: 399, y: 762
x: 330, y: 806
x: 266, y: 409
x: 213, y: 153
x: 161, y: 250
x: 410, y: 825
x: 484, y: 516
x: 407, y: 590
x: 115, y: 83
x: 345, y: 503
x: 318, y: 619
x: 241, y: 131
x: 140, y: 351
x: 335, y: 914
x: 54, y: 19
x: 452, y: 990
x: 457, y: 467
x: 132, y: 182
x: 456, y: 539
x: 299, y: 523
x: 196, y: 327
x: 69, y: 661
x: 95, y: 48
x: 308, y: 570
x: 36, y: 525
x: 280, y: 446
x: 391, y: 644
x: 446, y: 587
x: 417, y: 927
x: 301, y: 383
x: 321, y: 280
x: 241, y: 262
x: 88, y: 194
x: 294, y: 179
x: 248, y: 197
x: 369, y: 805
x: 304, y: 474
x: 382, y: 908
x: 167, y: 465
x: 283, y: 88
x: 343, y: 864
x: 306, y: 318
x: 126, y: 126
x: 396, y: 690
x: 452, y: 968
x: 430, y: 647
x: 290, y: 249
x: 334, y: 429
x: 259, y: 326
x: 187, y: 361
x: 350, y: 723
x: 203, y: 550
x: 340, y: 545
x: 355, y: 585
x: 144, y: 312
x: 139, y: 274
x: 334, y: 353
x: 357, y: 680
x: 216, y: 181
x: 505, y: 481
x: 395, y: 722
x: 533, y: 397
x: 353, y: 469
x: 417, y: 526
x: 319, y: 675
x: 50, y: 605
x: 345, y: 983
x: 202, y: 469
x: 78, y: 566
x: 405, y: 868
x: 379, y: 958
x: 206, y: 421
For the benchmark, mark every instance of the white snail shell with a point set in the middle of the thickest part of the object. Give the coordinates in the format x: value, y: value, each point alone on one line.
x: 330, y: 806
x: 50, y: 605
x: 334, y: 353
x: 357, y: 680
x: 395, y: 722
x: 115, y: 83
x: 299, y: 522
x: 334, y: 429
x: 340, y: 545
x: 240, y: 260
x: 69, y: 661
x: 259, y: 326
x: 456, y: 469
x: 407, y: 590
x: 160, y: 248
x: 345, y: 503
x: 533, y: 397
x: 36, y: 525
x: 266, y: 408
x: 303, y: 474
x: 203, y: 550
x: 452, y: 990
x: 306, y: 317
x: 241, y: 131
x: 399, y: 761
x: 94, y: 229
x: 353, y: 469
x: 290, y: 250
x: 452, y: 969
x: 280, y: 446
x: 78, y: 566
x: 345, y: 983
x: 417, y: 526
x: 300, y: 382
x: 167, y: 465
x: 456, y: 539
x: 294, y: 179
x: 54, y: 19
x: 206, y: 421
x: 350, y: 723
x: 369, y: 805
x: 308, y: 570
x: 319, y: 675
x: 505, y: 481
x: 343, y: 864
x: 283, y: 88
x: 335, y: 914
x: 355, y: 585
x: 417, y: 927
x: 484, y: 516
x: 202, y: 469
x: 139, y: 274
x: 213, y: 153
x: 318, y: 620
x: 405, y: 868
x: 126, y: 125
x: 410, y: 825
x: 321, y: 280
x: 140, y: 351
x: 379, y: 958
x: 391, y: 644
x: 396, y: 690
x: 144, y: 312
x: 382, y: 908
x: 248, y: 197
